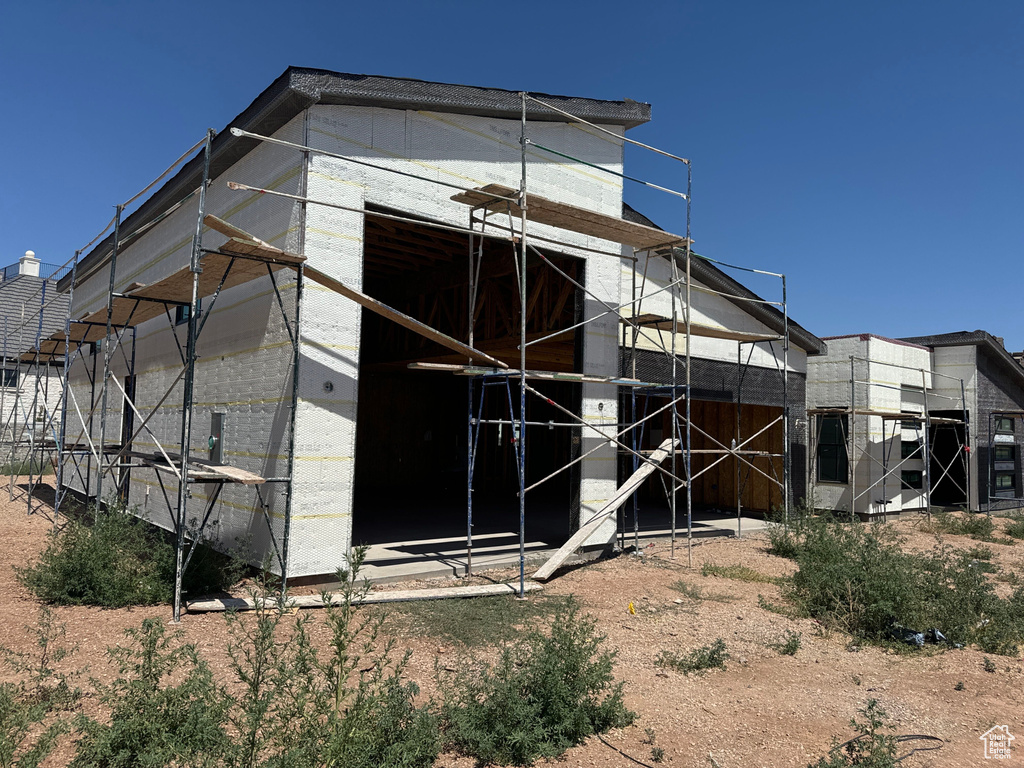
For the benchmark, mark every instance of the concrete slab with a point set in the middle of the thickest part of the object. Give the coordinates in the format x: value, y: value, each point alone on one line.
x: 446, y: 556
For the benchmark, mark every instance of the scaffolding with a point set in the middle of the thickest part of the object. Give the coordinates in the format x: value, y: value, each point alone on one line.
x: 496, y: 214
x: 29, y: 434
x: 924, y: 423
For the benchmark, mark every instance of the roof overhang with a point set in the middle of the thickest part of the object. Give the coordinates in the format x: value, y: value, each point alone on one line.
x: 299, y: 88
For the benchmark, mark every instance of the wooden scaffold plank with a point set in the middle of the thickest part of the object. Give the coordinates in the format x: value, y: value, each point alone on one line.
x: 572, y: 218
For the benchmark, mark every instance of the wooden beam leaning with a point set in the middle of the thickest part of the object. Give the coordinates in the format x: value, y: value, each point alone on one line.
x: 610, y: 507
x: 395, y: 316
x: 244, y: 244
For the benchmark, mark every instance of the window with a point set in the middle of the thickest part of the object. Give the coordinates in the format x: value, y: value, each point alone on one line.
x: 1005, y: 481
x: 910, y: 448
x: 1005, y: 452
x: 912, y: 479
x: 10, y: 377
x: 182, y: 310
x: 915, y: 425
x: 1004, y: 424
x: 833, y: 466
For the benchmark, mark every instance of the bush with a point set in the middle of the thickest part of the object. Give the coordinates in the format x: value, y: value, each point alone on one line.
x: 303, y: 708
x: 118, y: 560
x: 544, y: 695
x: 154, y: 722
x: 698, y: 660
x: 738, y: 573
x: 977, y: 526
x: 872, y: 748
x: 857, y: 578
x: 32, y: 709
x: 789, y: 645
x: 1015, y: 527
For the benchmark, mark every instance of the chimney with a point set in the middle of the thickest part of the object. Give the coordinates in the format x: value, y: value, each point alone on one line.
x: 29, y: 264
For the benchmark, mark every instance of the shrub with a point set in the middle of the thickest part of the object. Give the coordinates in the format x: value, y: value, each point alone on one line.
x: 789, y: 645
x: 857, y: 578
x: 1015, y: 527
x: 544, y: 695
x: 872, y: 748
x: 738, y: 573
x: 977, y: 526
x: 152, y: 721
x: 698, y: 660
x: 21, y: 717
x: 118, y: 560
x: 304, y: 708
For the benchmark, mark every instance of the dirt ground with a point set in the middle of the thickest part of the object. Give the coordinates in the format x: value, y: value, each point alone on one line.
x: 764, y: 709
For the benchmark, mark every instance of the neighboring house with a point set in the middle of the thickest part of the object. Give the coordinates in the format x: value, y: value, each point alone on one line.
x: 30, y: 307
x: 937, y: 419
x: 994, y: 383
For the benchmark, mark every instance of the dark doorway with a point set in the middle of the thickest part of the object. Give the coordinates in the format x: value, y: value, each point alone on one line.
x: 948, y: 461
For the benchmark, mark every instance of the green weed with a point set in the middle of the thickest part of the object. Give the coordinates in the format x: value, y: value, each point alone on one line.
x: 738, y: 573
x: 977, y: 526
x: 475, y: 622
x: 789, y: 645
x: 856, y: 578
x: 697, y: 661
x: 871, y: 748
x: 698, y: 593
x: 1015, y: 527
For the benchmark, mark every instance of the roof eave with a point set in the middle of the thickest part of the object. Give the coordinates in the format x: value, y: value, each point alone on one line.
x: 298, y: 88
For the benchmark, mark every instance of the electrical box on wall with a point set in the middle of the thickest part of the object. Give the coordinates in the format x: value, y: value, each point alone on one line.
x: 217, y: 436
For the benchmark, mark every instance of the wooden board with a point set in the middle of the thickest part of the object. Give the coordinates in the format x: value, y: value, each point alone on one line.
x: 395, y: 316
x: 571, y: 217
x: 390, y: 596
x: 471, y: 370
x: 232, y: 474
x: 207, y: 471
x: 586, y: 530
x: 885, y: 415
x: 660, y: 323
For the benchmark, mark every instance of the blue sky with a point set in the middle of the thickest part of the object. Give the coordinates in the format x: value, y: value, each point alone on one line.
x: 871, y: 151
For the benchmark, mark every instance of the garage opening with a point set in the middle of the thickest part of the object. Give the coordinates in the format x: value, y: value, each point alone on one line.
x: 413, y: 425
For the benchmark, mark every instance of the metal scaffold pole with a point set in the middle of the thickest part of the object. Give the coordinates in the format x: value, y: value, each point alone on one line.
x: 60, y: 491
x: 184, y: 492
x: 689, y: 328
x: 967, y: 444
x: 521, y: 438
x: 101, y: 470
x: 852, y: 453
x: 927, y: 449
x: 787, y: 448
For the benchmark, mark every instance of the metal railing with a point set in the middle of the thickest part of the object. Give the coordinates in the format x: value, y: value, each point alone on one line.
x: 49, y: 271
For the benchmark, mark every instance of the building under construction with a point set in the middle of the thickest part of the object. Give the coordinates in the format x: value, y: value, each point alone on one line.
x: 916, y: 423
x: 419, y: 315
